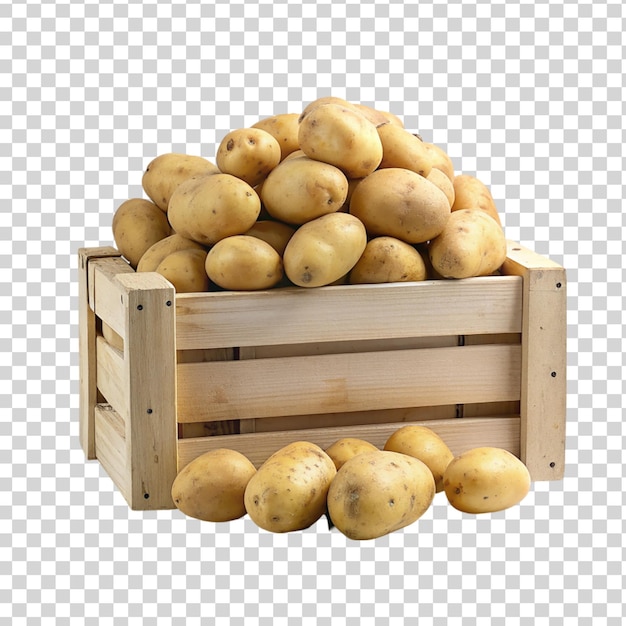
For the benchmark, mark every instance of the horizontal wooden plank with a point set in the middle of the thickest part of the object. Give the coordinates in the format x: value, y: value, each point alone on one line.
x: 459, y: 435
x: 347, y: 382
x: 490, y: 304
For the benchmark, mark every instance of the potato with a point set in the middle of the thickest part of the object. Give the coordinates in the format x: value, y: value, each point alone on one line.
x: 212, y: 486
x: 159, y: 250
x: 378, y: 118
x: 342, y: 137
x: 347, y: 447
x: 249, y: 154
x: 209, y: 208
x: 471, y: 244
x: 441, y: 180
x: 324, y: 249
x: 376, y: 493
x: 165, y: 172
x: 301, y: 189
x: 244, y: 263
x: 472, y: 193
x: 423, y: 444
x: 288, y: 492
x: 440, y: 159
x: 277, y: 234
x: 388, y: 260
x: 137, y: 224
x: 284, y: 128
x: 326, y: 100
x: 185, y: 269
x: 486, y: 480
x: 401, y: 148
x: 400, y: 203
x: 392, y: 118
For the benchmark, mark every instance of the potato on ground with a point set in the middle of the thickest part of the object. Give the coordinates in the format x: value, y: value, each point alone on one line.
x: 376, y: 493
x: 185, y: 269
x: 138, y: 224
x: 388, y: 260
x: 284, y: 128
x: 401, y: 148
x: 347, y: 447
x: 486, y: 480
x: 471, y: 244
x: 343, y: 137
x: 288, y: 492
x: 159, y: 250
x: 244, y: 263
x: 324, y: 250
x: 165, y: 172
x: 209, y: 208
x: 423, y: 444
x: 400, y: 203
x: 471, y: 193
x: 301, y: 189
x: 212, y: 486
x: 249, y: 154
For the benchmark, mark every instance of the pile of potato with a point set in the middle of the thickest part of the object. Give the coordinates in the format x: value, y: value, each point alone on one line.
x: 364, y: 491
x: 337, y: 193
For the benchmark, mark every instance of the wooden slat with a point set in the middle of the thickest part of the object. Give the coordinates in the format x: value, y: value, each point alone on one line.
x: 111, y: 447
x: 459, y: 434
x: 348, y: 382
x: 111, y: 372
x: 490, y: 304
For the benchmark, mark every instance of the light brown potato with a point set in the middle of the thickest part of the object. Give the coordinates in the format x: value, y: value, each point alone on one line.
x: 342, y: 137
x: 402, y: 148
x: 376, y: 493
x: 440, y: 159
x: 472, y: 193
x: 185, y: 269
x: 209, y: 208
x: 486, y: 480
x: 347, y: 447
x: 400, y: 203
x: 137, y: 224
x: 277, y: 234
x: 375, y: 116
x: 388, y: 260
x: 325, y: 100
x: 441, y: 180
x: 471, y: 244
x: 249, y: 154
x: 165, y: 172
x: 300, y: 190
x: 284, y: 128
x: 159, y: 250
x: 288, y: 492
x: 424, y: 444
x: 294, y: 155
x: 211, y: 487
x: 392, y: 118
x: 244, y: 263
x: 324, y: 249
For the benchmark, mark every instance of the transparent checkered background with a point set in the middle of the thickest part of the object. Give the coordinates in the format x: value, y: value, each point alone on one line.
x: 528, y: 96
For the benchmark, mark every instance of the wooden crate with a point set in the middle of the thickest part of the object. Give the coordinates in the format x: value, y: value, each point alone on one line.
x: 166, y: 377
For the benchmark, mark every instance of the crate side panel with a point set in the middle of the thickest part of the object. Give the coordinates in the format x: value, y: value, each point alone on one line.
x: 348, y: 382
x: 111, y: 373
x: 482, y: 305
x: 459, y: 434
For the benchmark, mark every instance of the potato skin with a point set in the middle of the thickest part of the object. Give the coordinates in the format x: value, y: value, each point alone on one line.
x: 284, y: 128
x: 440, y: 159
x: 185, y: 269
x: 212, y: 486
x: 388, y: 260
x: 423, y: 444
x: 403, y: 149
x: 347, y: 447
x: 324, y: 249
x: 249, y: 154
x: 137, y: 224
x: 166, y: 171
x: 486, y: 480
x: 277, y: 234
x: 159, y: 250
x: 471, y: 244
x: 209, y: 208
x: 343, y: 137
x: 472, y: 193
x: 302, y: 189
x: 244, y: 263
x: 400, y: 203
x: 441, y: 180
x: 288, y: 492
x: 376, y: 493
